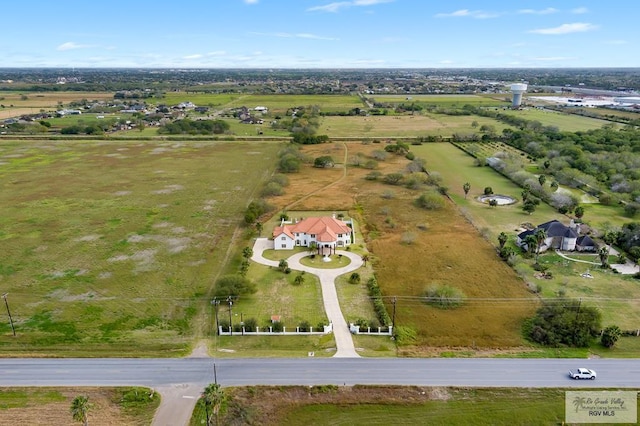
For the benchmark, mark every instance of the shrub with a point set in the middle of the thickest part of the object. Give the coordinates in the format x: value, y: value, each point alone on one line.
x: 610, y: 336
x: 251, y: 324
x: 430, y: 200
x: 277, y: 327
x: 443, y: 296
x: 373, y: 175
x: 408, y: 238
x: 393, y: 178
x: 560, y: 322
x: 234, y: 286
x: 354, y: 278
x: 488, y: 190
x: 304, y: 326
x: 272, y: 189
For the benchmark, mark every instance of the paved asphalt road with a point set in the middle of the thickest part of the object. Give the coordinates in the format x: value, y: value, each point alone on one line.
x: 237, y: 372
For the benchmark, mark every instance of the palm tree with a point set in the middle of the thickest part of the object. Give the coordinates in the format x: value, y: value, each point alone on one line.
x: 80, y: 409
x: 259, y: 228
x: 213, y: 397
x: 604, y: 256
x: 365, y: 259
x: 313, y: 246
x: 530, y: 241
x: 540, y: 235
x: 466, y: 187
x: 502, y: 239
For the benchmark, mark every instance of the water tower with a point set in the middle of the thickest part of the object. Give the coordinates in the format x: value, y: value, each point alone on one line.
x: 517, y: 89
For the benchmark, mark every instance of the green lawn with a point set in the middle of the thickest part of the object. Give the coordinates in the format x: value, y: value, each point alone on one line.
x: 441, y: 100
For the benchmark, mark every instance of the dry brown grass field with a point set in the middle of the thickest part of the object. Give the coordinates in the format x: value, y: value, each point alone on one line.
x: 15, y: 103
x: 450, y: 251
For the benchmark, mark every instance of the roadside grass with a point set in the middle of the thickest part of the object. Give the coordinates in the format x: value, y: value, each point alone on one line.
x: 384, y: 405
x: 565, y: 122
x: 126, y: 406
x: 115, y: 244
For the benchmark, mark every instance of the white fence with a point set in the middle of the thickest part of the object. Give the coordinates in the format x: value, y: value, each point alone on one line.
x: 376, y: 331
x: 262, y: 331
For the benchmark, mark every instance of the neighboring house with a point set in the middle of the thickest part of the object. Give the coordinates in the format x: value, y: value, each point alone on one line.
x: 585, y: 243
x: 327, y: 232
x: 559, y: 236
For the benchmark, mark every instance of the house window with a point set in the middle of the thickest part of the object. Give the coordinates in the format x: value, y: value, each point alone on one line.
x: 297, y: 242
x: 284, y: 246
x: 284, y: 238
x: 313, y: 235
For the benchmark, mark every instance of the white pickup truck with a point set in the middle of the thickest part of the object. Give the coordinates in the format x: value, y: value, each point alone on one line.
x: 582, y: 373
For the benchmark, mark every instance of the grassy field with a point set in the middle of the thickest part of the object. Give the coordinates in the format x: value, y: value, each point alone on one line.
x: 14, y: 104
x: 277, y: 104
x: 384, y: 405
x: 113, y: 247
x: 40, y: 406
x: 425, y: 124
x: 564, y: 122
x: 443, y: 100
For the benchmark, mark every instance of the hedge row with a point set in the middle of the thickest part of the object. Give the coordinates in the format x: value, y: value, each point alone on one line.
x: 378, y: 304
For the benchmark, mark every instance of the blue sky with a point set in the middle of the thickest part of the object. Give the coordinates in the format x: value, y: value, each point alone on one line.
x: 319, y: 34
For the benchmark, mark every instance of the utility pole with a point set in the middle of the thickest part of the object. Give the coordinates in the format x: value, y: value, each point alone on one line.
x: 230, y: 324
x: 242, y: 323
x: 215, y: 302
x: 4, y: 296
x: 393, y: 321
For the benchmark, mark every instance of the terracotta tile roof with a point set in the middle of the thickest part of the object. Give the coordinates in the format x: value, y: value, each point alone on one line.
x: 278, y: 230
x: 325, y: 228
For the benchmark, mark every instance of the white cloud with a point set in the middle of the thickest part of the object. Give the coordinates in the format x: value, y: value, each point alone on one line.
x: 579, y: 10
x: 578, y: 27
x: 70, y: 45
x: 196, y: 56
x: 336, y: 6
x: 251, y: 1
x: 546, y: 11
x: 477, y: 14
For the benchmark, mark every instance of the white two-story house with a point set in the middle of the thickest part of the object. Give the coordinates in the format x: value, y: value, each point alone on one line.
x: 327, y: 232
